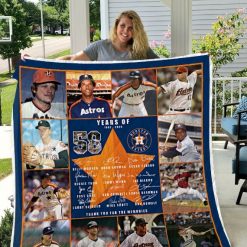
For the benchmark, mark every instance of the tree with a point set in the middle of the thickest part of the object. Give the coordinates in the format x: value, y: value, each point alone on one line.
x: 61, y: 8
x: 20, y: 37
x: 6, y: 228
x: 223, y: 44
x: 32, y: 14
x: 94, y: 10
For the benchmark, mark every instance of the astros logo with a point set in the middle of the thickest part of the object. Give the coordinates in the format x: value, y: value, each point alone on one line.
x: 139, y: 140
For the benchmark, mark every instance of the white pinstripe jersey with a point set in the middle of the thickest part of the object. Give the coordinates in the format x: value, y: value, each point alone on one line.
x: 87, y: 242
x: 180, y: 92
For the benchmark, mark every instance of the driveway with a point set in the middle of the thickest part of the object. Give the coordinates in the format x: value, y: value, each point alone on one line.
x: 52, y: 46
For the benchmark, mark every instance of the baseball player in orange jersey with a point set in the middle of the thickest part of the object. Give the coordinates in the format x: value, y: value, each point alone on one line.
x: 46, y: 239
x: 47, y: 193
x: 43, y: 89
x: 133, y: 94
x: 187, y: 235
x: 183, y: 186
x: 180, y: 90
x: 141, y: 237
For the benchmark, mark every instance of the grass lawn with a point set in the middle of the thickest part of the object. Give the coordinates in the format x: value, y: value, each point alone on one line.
x: 5, y: 167
x: 5, y: 76
x: 59, y: 54
x: 7, y: 99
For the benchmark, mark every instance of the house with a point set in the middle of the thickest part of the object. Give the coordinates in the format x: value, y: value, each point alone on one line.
x: 156, y: 17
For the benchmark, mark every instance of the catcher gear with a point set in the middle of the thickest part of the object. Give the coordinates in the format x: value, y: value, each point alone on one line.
x: 62, y: 193
x: 31, y: 155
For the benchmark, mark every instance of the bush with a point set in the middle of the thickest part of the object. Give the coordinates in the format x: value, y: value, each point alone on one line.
x: 6, y: 228
x: 160, y: 48
x: 223, y: 44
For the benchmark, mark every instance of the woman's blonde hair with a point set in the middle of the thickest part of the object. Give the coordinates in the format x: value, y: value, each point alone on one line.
x: 139, y: 43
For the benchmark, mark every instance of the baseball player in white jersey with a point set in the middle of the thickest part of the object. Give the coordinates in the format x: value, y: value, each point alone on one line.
x: 183, y: 186
x: 185, y: 148
x: 180, y: 90
x: 187, y: 235
x: 46, y: 239
x: 47, y: 193
x: 133, y: 94
x: 91, y: 240
x: 43, y: 89
x: 54, y: 153
x: 141, y: 237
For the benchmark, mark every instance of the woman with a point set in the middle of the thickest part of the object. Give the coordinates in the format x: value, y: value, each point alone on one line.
x: 128, y: 41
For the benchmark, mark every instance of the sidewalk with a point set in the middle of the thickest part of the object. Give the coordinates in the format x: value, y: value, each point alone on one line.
x: 7, y: 82
x: 7, y: 187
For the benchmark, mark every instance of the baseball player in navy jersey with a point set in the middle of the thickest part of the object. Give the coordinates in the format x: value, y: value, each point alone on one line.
x: 187, y: 235
x: 180, y: 90
x: 53, y: 153
x: 46, y: 239
x: 141, y: 237
x: 185, y: 148
x: 91, y: 240
x: 183, y: 185
x: 47, y: 194
x: 89, y: 106
x: 133, y: 93
x: 43, y: 89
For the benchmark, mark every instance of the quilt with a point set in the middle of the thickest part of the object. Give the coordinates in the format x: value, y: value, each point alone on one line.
x: 115, y: 154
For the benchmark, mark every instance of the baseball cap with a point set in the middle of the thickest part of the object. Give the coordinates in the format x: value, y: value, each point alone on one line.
x: 86, y: 77
x: 140, y: 221
x: 43, y: 123
x: 92, y: 224
x: 43, y: 76
x: 179, y: 126
x: 135, y: 74
x: 182, y: 69
x: 45, y: 175
x: 47, y: 230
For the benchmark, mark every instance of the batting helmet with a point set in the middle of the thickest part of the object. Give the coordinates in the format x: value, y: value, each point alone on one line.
x: 86, y: 77
x: 179, y: 126
x: 182, y: 69
x: 135, y: 74
x: 48, y: 230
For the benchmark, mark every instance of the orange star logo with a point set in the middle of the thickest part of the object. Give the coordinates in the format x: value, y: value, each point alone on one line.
x: 114, y: 171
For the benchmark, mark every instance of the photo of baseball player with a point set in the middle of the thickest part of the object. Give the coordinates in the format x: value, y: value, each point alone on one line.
x: 89, y: 106
x: 183, y: 180
x: 100, y: 232
x: 46, y: 234
x: 51, y: 190
x: 180, y: 138
x: 40, y: 149
x: 131, y: 96
x: 189, y: 230
x: 187, y: 233
x: 185, y: 149
x: 141, y: 237
x: 139, y: 228
x: 47, y: 98
x: 46, y: 239
x: 180, y: 89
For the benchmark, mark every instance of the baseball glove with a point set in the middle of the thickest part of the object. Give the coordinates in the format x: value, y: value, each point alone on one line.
x: 62, y: 193
x: 31, y: 155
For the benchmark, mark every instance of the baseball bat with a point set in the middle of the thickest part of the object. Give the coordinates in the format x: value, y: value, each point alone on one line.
x: 169, y: 131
